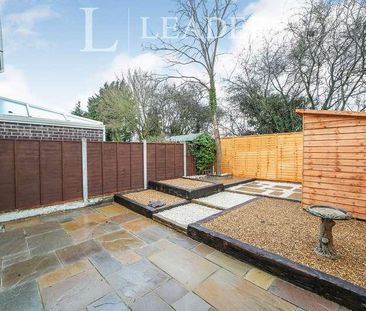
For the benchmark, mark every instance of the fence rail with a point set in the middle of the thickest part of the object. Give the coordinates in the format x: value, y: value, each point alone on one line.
x: 274, y: 157
x: 35, y: 173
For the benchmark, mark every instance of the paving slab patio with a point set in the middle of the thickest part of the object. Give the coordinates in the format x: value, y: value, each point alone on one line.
x: 129, y: 263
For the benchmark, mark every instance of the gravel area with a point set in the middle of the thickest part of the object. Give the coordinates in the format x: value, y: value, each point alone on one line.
x: 186, y: 183
x: 188, y: 213
x: 144, y: 197
x: 284, y: 228
x: 226, y: 199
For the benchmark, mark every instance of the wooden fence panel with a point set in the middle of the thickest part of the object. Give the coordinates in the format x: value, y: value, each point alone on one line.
x: 109, y: 168
x: 178, y: 160
x: 335, y: 160
x: 137, y: 169
x: 124, y: 166
x: 169, y: 161
x: 7, y: 176
x: 95, y: 169
x: 160, y: 162
x: 51, y: 172
x: 72, y: 171
x: 151, y: 161
x: 272, y: 157
x: 27, y: 174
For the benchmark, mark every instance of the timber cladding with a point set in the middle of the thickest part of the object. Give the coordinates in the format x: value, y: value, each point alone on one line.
x: 276, y: 157
x: 36, y: 173
x: 335, y: 160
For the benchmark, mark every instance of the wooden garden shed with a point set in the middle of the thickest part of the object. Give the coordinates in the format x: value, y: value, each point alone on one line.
x: 334, y: 167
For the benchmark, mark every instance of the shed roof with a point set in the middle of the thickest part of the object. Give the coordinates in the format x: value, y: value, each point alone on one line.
x: 16, y: 111
x: 330, y: 113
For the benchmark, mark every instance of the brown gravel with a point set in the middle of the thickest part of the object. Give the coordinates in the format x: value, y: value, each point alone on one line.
x: 282, y: 227
x: 144, y: 197
x: 186, y: 183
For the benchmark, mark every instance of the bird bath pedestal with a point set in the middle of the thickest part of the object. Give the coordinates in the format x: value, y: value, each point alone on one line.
x: 327, y: 214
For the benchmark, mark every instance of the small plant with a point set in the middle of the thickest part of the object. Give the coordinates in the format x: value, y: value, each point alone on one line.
x: 203, y: 149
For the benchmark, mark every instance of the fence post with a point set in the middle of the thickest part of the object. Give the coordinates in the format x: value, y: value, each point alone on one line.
x: 145, y: 162
x: 84, y: 155
x: 184, y: 159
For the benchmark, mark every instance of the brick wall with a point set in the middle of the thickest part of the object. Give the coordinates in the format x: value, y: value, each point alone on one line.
x: 47, y: 132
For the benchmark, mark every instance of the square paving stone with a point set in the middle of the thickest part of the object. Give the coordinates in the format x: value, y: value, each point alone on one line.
x: 46, y: 242
x: 21, y: 298
x: 182, y: 240
x: 42, y: 228
x: 150, y: 302
x: 138, y: 224
x: 111, y: 210
x: 12, y: 242
x: 226, y: 291
x: 300, y: 297
x: 30, y: 269
x: 185, y: 266
x: 64, y: 273
x: 191, y: 302
x: 251, y: 190
x: 225, y: 199
x: 260, y: 278
x: 105, y: 263
x: 171, y: 291
x: 203, y: 250
x: 127, y: 257
x: 76, y: 292
x: 136, y: 280
x: 233, y: 265
x: 110, y: 302
x: 74, y: 253
x: 119, y: 240
x: 153, y: 234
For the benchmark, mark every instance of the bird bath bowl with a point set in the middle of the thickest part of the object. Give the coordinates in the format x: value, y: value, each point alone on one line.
x: 327, y: 214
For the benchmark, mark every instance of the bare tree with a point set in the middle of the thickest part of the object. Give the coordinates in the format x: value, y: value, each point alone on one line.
x: 201, y: 26
x: 329, y: 52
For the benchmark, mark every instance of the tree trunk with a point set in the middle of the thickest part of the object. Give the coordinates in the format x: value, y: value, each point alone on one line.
x: 325, y: 247
x: 215, y: 123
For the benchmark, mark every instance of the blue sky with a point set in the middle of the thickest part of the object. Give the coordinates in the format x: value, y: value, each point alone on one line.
x: 43, y: 42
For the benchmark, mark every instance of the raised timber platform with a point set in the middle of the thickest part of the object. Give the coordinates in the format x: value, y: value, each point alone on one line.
x: 186, y: 193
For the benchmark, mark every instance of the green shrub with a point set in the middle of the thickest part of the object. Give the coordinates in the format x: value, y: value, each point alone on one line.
x: 203, y: 149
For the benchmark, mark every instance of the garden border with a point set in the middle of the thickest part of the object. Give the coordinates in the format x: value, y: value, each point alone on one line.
x: 328, y: 286
x: 187, y: 194
x: 143, y: 209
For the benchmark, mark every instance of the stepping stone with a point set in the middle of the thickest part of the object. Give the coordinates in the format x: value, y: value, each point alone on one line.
x: 186, y: 214
x: 233, y: 265
x: 136, y: 280
x: 104, y: 263
x: 110, y: 302
x: 260, y: 278
x: 120, y: 240
x: 186, y: 267
x: 191, y: 302
x: 74, y: 253
x: 20, y: 298
x: 76, y: 292
x: 300, y: 297
x: 228, y: 292
x: 276, y: 193
x: 64, y: 273
x: 295, y: 196
x: 248, y: 189
x: 225, y: 200
x: 42, y: 228
x: 46, y: 242
x: 12, y: 242
x: 24, y: 271
x: 171, y: 291
x: 151, y: 302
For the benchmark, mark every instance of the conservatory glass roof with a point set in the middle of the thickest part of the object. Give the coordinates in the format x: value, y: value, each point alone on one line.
x: 13, y: 110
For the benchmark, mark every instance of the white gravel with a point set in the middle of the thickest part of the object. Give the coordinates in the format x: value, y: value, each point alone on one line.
x: 188, y: 213
x: 225, y: 200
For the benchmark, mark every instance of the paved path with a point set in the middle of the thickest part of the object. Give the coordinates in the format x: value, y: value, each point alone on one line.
x: 109, y: 258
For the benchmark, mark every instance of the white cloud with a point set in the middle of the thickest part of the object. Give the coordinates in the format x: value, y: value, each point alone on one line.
x: 122, y: 63
x: 20, y: 28
x: 14, y: 84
